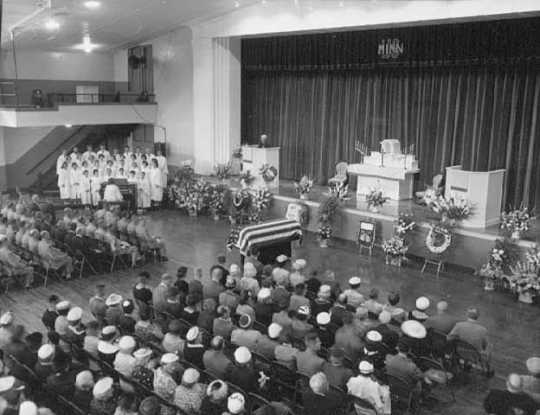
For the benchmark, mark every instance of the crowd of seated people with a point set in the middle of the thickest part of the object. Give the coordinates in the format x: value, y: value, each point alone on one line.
x: 33, y: 241
x: 81, y: 175
x: 262, y: 340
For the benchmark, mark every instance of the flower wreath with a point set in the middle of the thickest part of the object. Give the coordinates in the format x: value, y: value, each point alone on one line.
x: 438, y: 239
x: 268, y: 172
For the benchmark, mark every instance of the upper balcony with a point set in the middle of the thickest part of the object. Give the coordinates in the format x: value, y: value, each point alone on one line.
x: 89, y: 108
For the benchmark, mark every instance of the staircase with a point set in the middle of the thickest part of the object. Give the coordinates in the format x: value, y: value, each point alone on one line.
x: 36, y: 169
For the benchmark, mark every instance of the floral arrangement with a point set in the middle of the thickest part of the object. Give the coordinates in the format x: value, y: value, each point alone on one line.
x: 222, y: 170
x: 303, y: 187
x: 438, y: 239
x: 516, y: 221
x: 405, y: 224
x: 196, y: 196
x: 501, y: 260
x: 217, y: 200
x: 268, y: 172
x: 395, y: 246
x: 185, y: 174
x: 340, y: 191
x: 375, y: 198
x: 261, y: 199
x: 327, y: 211
x: 452, y: 209
x: 233, y: 236
x: 237, y: 152
x: 533, y: 257
x: 525, y: 279
x: 247, y: 178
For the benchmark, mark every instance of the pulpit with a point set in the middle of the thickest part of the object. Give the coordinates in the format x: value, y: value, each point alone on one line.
x: 255, y: 157
x: 483, y: 189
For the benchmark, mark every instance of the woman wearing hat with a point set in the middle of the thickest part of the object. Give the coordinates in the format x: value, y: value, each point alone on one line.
x: 164, y: 384
x: 143, y: 371
x: 531, y: 382
x: 53, y: 257
x: 104, y: 401
x: 364, y: 386
x: 190, y: 393
x: 215, y: 401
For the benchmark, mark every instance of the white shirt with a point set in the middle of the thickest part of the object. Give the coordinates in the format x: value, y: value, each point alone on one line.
x: 366, y: 388
x: 112, y: 193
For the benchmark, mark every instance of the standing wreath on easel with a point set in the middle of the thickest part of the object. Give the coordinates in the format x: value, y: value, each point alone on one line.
x: 438, y: 239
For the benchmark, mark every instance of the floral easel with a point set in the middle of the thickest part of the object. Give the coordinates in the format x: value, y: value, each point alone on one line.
x: 366, y: 236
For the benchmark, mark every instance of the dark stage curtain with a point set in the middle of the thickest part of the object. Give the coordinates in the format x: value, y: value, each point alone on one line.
x: 483, y: 118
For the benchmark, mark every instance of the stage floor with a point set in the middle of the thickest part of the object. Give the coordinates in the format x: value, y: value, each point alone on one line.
x: 195, y: 242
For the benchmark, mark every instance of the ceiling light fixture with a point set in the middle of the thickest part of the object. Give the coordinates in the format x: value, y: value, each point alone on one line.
x: 68, y: 125
x: 237, y: 4
x: 92, y: 4
x: 86, y: 44
x: 52, y: 24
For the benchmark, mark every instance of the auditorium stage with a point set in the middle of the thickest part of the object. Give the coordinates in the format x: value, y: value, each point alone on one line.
x: 469, y: 249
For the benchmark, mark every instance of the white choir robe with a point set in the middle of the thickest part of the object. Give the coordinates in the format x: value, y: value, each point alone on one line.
x: 95, y: 186
x: 86, y: 190
x: 86, y: 155
x: 105, y: 153
x: 143, y: 193
x: 156, y: 184
x: 61, y: 159
x: 75, y: 180
x: 162, y: 164
x: 64, y: 183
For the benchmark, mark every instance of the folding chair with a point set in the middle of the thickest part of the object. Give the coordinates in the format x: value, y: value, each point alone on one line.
x: 361, y: 406
x: 402, y: 394
x: 256, y: 402
x: 466, y: 356
x: 300, y: 386
x: 441, y: 379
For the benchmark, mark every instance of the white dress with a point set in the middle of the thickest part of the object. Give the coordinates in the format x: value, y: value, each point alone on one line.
x: 156, y: 184
x: 86, y: 191
x: 64, y: 183
x: 61, y: 159
x: 95, y: 186
x: 143, y: 193
x: 75, y: 179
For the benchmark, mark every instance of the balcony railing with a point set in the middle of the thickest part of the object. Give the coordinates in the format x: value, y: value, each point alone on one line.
x: 119, y: 98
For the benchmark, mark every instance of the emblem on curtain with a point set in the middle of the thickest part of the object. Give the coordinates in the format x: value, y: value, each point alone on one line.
x: 390, y: 48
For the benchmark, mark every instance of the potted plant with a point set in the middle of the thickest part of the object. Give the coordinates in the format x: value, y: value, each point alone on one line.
x: 327, y: 211
x: 216, y: 201
x: 394, y: 250
x: 375, y: 200
x: 222, y: 170
x: 516, y: 222
x: 303, y: 187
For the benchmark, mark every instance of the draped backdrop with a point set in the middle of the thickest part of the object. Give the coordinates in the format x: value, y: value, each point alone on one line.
x: 481, y: 112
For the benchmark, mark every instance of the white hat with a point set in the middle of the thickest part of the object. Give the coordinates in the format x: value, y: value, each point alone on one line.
x: 102, y: 388
x: 127, y: 344
x: 190, y: 376
x: 533, y: 365
x: 168, y: 358
x: 299, y: 264
x: 323, y: 318
x: 373, y: 336
x: 242, y: 355
x: 84, y: 379
x: 233, y: 269
x: 244, y: 321
x: 192, y: 334
x: 6, y: 383
x: 236, y: 403
x: 75, y: 314
x: 142, y: 353
x: 325, y: 289
x: 63, y: 305
x: 3, y: 238
x: 282, y: 259
x: 6, y: 319
x: 422, y: 303
x: 385, y: 317
x: 106, y: 347
x: 28, y: 408
x: 414, y: 329
x: 108, y: 330
x: 45, y: 352
x: 355, y: 281
x: 304, y: 310
x: 365, y: 367
x: 263, y: 294
x: 113, y: 299
x: 274, y: 330
x: 217, y: 390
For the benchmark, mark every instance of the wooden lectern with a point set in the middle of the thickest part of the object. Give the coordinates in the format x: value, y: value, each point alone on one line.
x: 483, y: 189
x: 254, y: 157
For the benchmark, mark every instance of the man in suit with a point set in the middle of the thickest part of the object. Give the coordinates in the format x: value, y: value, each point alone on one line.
x: 472, y: 332
x: 442, y: 321
x: 512, y: 400
x: 160, y: 293
x: 401, y: 366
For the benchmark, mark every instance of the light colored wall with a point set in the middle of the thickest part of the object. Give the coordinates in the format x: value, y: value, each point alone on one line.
x: 58, y: 66
x: 173, y: 86
x: 17, y: 141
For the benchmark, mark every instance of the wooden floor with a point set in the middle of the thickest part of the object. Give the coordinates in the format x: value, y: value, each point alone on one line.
x: 514, y: 327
